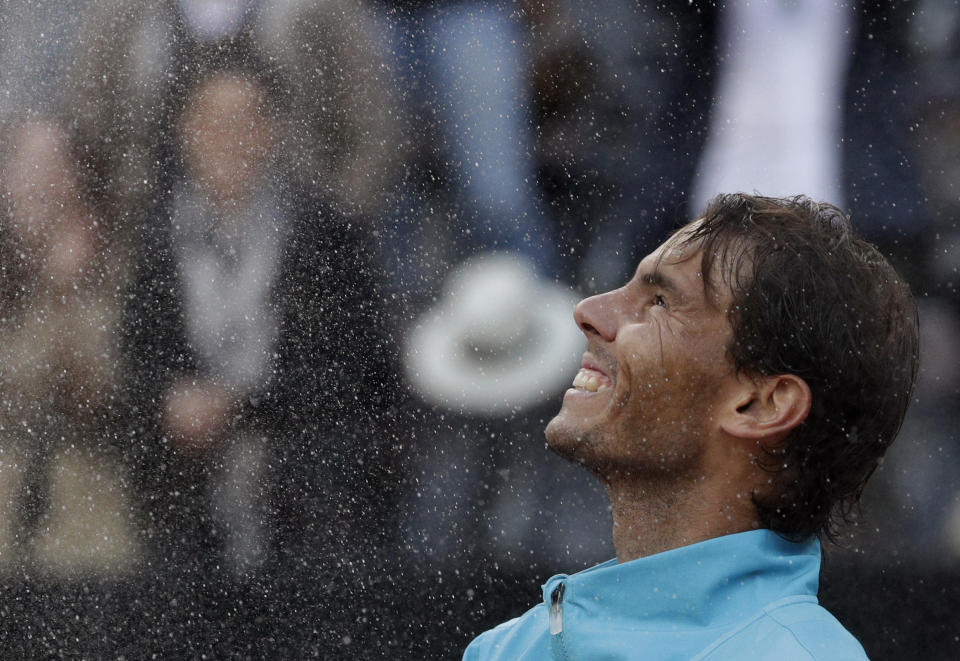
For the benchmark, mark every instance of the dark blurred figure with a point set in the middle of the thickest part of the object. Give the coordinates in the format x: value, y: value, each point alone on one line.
x: 259, y: 377
x: 245, y: 147
x: 621, y: 91
x: 65, y: 500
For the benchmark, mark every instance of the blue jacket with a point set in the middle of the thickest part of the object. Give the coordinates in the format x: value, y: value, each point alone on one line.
x: 749, y: 596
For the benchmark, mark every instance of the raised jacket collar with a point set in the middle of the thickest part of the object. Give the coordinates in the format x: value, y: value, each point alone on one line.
x: 701, y: 586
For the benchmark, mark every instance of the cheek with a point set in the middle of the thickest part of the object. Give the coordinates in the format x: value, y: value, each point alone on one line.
x: 710, y: 356
x: 667, y: 382
x: 644, y: 365
x: 698, y: 348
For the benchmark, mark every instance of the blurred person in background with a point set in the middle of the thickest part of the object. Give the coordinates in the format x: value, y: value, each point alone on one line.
x: 244, y: 146
x: 489, y: 515
x: 67, y: 506
x: 259, y: 379
x: 462, y: 78
x: 846, y: 90
x: 620, y: 91
x: 70, y: 522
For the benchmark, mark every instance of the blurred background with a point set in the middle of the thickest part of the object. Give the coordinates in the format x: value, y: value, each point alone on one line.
x: 287, y: 291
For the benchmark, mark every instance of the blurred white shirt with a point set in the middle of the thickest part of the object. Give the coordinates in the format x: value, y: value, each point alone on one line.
x: 776, y: 121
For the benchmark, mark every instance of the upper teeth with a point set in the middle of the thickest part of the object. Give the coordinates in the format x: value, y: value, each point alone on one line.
x: 585, y: 380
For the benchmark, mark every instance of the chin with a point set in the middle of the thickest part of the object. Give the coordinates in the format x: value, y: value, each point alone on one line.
x: 568, y: 440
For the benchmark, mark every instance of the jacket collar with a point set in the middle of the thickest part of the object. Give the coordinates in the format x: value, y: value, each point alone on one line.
x: 708, y: 584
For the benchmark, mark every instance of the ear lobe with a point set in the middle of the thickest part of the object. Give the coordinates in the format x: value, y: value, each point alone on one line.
x: 772, y: 407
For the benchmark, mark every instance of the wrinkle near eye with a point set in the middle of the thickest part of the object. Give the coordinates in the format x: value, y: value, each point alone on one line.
x: 673, y: 320
x: 663, y: 363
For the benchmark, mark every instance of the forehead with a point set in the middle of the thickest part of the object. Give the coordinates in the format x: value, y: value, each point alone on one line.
x: 680, y: 247
x: 682, y: 258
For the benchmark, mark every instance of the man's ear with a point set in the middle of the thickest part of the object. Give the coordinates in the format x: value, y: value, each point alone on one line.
x: 767, y: 406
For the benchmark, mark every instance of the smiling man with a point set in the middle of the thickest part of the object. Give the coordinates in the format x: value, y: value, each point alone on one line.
x: 734, y: 398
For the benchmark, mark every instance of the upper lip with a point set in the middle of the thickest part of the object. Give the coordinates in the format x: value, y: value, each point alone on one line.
x: 590, y: 362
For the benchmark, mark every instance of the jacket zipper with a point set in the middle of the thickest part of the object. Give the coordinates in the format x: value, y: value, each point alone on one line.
x: 556, y: 609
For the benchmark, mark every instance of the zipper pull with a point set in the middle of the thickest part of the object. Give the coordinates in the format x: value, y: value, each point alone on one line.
x: 556, y: 609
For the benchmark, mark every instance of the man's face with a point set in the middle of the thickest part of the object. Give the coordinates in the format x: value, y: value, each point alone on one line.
x: 226, y: 136
x: 655, y: 370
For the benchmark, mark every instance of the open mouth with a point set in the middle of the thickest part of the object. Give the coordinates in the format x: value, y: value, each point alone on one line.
x: 589, y: 380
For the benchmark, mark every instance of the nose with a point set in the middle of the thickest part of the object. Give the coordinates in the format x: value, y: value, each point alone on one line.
x: 597, y: 316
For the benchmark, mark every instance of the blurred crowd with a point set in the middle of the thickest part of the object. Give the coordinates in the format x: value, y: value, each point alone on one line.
x: 287, y: 293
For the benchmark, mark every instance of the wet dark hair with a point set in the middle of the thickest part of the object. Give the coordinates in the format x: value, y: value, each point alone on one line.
x: 812, y: 299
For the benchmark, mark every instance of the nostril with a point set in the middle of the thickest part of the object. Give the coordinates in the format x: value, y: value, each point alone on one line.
x: 587, y: 328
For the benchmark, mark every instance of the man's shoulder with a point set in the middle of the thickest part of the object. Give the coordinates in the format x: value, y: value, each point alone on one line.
x: 790, y: 630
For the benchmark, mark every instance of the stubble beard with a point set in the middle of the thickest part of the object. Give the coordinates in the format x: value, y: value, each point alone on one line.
x: 576, y: 446
x: 650, y: 452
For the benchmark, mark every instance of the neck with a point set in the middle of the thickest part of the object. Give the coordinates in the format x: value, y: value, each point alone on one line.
x: 233, y: 194
x: 228, y: 202
x: 654, y: 514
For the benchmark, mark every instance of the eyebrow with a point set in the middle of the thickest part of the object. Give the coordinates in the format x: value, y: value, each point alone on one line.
x: 658, y: 279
